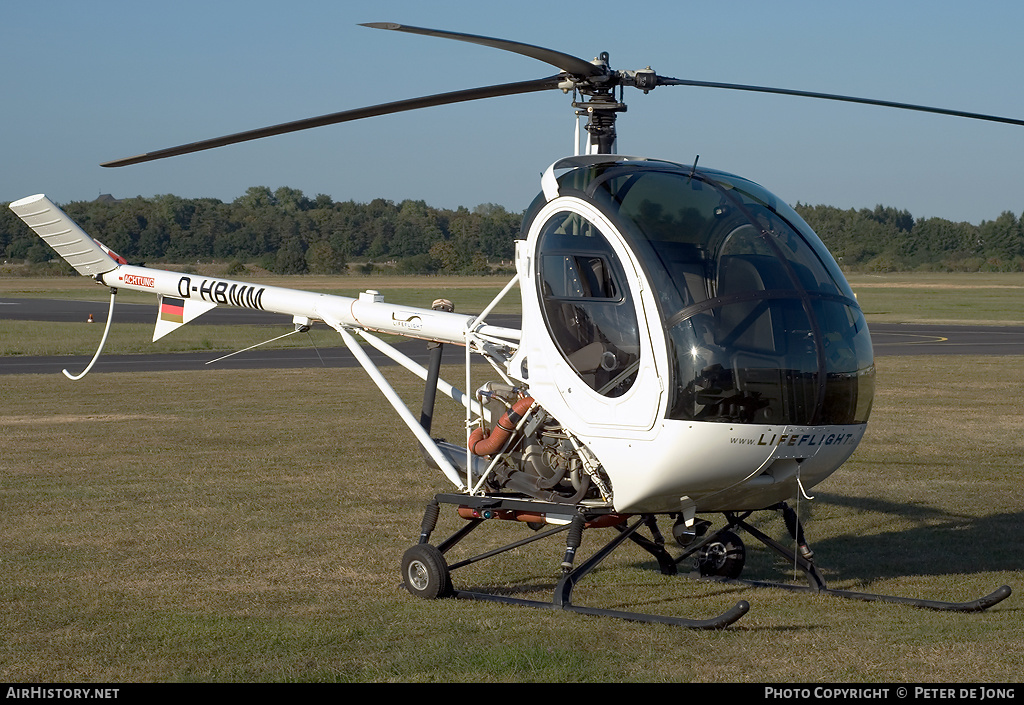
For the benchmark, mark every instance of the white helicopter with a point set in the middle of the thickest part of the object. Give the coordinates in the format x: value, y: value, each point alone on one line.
x: 688, y: 347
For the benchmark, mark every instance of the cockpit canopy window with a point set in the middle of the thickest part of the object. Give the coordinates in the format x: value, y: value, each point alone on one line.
x: 586, y: 303
x: 761, y: 324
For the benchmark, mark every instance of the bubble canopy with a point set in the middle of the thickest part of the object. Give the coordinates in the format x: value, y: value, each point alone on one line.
x: 760, y: 324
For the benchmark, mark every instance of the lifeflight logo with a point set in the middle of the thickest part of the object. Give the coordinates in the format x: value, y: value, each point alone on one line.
x: 806, y: 439
x: 797, y: 440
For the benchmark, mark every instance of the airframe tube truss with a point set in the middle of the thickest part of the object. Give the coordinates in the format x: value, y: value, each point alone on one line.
x: 420, y: 371
x: 400, y: 408
x: 477, y: 338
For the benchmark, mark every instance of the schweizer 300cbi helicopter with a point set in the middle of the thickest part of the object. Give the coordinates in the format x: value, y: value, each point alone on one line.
x: 688, y: 347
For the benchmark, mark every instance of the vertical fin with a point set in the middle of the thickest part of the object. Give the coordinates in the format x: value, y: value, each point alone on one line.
x: 173, y: 312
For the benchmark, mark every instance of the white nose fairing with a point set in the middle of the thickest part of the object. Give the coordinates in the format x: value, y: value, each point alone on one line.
x: 721, y: 467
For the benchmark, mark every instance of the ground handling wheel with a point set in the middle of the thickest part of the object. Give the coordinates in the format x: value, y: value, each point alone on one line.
x: 425, y: 572
x: 722, y: 557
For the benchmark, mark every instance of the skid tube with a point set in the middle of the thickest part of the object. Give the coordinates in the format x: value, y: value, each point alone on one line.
x: 816, y: 583
x: 477, y: 510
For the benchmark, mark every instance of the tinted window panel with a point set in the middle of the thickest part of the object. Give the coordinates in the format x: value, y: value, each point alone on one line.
x: 586, y: 304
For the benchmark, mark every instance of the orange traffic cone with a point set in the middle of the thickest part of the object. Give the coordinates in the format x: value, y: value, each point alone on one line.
x: 91, y: 319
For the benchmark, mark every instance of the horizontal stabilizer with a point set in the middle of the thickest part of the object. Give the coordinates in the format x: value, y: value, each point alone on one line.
x: 72, y: 243
x: 172, y: 313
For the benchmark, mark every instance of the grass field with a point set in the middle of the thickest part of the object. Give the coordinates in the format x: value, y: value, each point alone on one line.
x: 169, y: 527
x: 247, y: 526
x: 981, y: 299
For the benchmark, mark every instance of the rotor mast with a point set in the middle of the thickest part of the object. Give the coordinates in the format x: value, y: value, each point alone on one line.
x: 602, y: 108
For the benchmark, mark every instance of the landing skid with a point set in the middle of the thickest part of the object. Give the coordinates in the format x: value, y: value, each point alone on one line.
x: 426, y: 574
x: 802, y: 559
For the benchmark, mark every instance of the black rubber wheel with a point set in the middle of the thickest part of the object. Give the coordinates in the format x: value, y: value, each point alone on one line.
x: 425, y: 572
x: 722, y: 557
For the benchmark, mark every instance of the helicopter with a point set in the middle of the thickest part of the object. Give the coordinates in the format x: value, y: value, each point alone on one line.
x: 672, y: 314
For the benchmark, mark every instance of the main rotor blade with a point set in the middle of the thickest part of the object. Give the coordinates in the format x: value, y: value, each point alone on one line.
x: 566, y: 62
x: 540, y: 84
x: 665, y: 81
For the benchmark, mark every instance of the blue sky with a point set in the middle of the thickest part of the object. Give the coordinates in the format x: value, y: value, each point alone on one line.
x: 83, y: 83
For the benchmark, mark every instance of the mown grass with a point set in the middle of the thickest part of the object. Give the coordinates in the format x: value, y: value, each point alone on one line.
x: 247, y: 526
x: 59, y: 338
x: 961, y: 298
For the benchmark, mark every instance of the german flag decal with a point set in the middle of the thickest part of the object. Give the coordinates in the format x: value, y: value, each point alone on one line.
x: 172, y: 310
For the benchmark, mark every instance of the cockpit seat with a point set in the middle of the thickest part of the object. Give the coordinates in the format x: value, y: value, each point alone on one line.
x: 588, y: 358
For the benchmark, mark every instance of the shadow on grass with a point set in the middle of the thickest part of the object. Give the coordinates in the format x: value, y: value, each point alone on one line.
x: 899, y: 540
x: 903, y: 540
x: 941, y: 543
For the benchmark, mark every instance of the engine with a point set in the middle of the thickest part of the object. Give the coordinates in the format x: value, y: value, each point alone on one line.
x: 535, y: 455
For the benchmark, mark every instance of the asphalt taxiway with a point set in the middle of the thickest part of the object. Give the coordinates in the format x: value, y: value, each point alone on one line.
x: 887, y: 339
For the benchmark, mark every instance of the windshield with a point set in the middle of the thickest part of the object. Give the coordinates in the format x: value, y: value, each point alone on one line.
x: 761, y: 325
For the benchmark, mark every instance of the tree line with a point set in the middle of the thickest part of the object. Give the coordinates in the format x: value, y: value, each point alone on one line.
x: 283, y: 231
x: 886, y: 239
x: 286, y: 232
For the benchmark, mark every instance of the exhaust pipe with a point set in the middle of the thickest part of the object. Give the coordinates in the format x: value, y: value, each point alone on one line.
x: 483, y: 443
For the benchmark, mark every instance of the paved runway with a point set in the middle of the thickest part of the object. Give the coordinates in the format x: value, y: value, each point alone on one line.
x: 888, y: 339
x: 915, y: 339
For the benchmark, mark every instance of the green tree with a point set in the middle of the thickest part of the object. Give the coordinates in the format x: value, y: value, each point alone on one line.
x: 417, y: 264
x: 1001, y: 238
x: 323, y: 258
x: 15, y: 236
x: 256, y: 197
x: 497, y: 231
x: 416, y: 229
x: 290, y: 259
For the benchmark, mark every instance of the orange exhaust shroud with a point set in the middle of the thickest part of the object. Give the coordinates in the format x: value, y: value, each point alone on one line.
x: 483, y: 443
